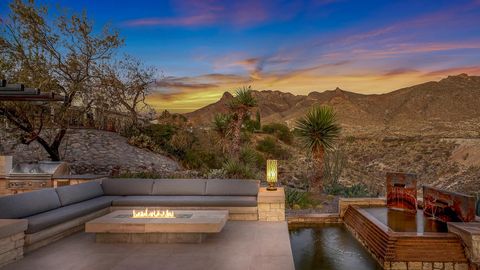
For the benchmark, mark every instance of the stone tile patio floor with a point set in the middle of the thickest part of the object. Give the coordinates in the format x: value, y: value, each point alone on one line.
x: 241, y: 245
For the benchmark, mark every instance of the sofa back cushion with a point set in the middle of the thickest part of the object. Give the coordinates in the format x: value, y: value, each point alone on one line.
x: 126, y: 187
x: 79, y: 193
x: 29, y: 203
x: 179, y: 187
x: 232, y: 187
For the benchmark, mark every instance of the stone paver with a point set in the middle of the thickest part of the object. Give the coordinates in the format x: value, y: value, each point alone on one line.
x: 240, y: 245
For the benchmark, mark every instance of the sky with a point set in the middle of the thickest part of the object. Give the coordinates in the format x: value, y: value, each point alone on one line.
x: 203, y: 48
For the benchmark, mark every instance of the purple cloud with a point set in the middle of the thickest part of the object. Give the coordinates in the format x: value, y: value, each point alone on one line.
x: 245, y: 13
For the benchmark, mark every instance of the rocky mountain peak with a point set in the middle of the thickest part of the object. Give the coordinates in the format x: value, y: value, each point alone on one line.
x: 226, y: 96
x: 458, y: 78
x: 451, y: 101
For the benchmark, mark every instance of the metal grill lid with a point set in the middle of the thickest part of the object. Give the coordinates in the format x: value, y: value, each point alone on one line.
x: 50, y: 168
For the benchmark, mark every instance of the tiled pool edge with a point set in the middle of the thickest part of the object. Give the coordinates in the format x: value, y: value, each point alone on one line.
x: 311, y: 219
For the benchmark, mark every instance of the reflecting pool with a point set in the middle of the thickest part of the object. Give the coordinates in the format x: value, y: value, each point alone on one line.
x: 329, y: 247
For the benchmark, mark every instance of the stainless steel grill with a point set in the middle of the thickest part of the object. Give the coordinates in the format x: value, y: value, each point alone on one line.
x: 31, y: 176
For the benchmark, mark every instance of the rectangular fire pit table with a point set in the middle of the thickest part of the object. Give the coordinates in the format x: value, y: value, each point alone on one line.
x: 188, y: 226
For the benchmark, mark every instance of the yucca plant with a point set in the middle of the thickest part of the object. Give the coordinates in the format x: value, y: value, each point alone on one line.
x: 222, y: 126
x: 240, y: 105
x: 318, y: 131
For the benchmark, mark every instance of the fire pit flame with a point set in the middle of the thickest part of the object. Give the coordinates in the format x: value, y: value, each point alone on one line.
x: 153, y: 214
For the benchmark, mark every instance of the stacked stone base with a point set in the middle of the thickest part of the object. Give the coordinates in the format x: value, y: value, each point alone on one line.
x: 11, y: 248
x: 12, y: 240
x: 271, y: 205
x: 271, y: 211
x: 470, y: 235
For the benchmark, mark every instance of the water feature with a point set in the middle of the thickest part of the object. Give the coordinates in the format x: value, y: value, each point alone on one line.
x: 401, y: 221
x: 329, y: 247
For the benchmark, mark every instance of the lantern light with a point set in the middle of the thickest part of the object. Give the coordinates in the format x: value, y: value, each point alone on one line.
x: 272, y: 173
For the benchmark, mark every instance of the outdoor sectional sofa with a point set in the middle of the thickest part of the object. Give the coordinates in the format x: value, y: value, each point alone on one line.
x: 56, y: 212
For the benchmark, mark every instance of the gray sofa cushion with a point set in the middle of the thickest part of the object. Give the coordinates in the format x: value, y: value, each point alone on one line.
x: 229, y: 187
x: 187, y: 187
x: 78, y: 193
x: 48, y: 219
x: 125, y: 187
x: 199, y: 201
x: 29, y: 203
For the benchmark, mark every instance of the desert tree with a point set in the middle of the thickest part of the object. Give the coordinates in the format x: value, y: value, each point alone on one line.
x: 318, y: 131
x: 57, y: 52
x: 240, y: 107
x: 127, y: 82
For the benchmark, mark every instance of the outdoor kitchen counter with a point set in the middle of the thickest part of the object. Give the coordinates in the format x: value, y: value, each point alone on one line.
x: 74, y: 179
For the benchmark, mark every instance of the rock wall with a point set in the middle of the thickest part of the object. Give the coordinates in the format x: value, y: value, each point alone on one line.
x: 95, y: 151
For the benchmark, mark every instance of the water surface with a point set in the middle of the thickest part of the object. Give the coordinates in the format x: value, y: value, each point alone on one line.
x: 400, y: 221
x: 329, y: 247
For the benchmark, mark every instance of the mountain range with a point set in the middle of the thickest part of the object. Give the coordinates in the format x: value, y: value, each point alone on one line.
x: 449, y: 107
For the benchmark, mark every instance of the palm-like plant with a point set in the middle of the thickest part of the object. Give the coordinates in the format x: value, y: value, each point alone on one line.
x: 318, y: 130
x: 221, y: 125
x: 240, y: 105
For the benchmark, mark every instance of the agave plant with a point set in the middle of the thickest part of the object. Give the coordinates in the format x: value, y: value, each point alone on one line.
x: 318, y: 130
x: 240, y: 105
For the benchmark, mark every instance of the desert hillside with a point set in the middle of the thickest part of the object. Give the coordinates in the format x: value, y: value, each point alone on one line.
x: 449, y: 107
x: 431, y: 129
x: 90, y: 151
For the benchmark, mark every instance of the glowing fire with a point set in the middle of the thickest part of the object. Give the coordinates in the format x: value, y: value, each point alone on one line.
x: 153, y: 214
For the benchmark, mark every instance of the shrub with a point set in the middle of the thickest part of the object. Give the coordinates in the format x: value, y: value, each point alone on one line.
x: 192, y: 160
x: 270, y: 147
x: 297, y: 197
x: 251, y: 157
x: 350, y: 139
x: 216, y: 174
x: 181, y: 142
x: 146, y: 174
x: 199, y: 159
x: 143, y: 141
x: 267, y: 145
x: 160, y: 134
x: 235, y: 169
x: 251, y: 125
x: 130, y: 131
x: 248, y: 156
x: 355, y: 190
x: 334, y: 163
x: 281, y: 131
